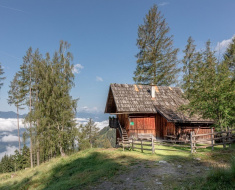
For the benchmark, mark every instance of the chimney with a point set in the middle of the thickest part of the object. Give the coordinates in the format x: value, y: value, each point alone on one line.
x: 152, y: 90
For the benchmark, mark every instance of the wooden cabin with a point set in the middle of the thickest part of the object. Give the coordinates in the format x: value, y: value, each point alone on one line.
x: 153, y: 110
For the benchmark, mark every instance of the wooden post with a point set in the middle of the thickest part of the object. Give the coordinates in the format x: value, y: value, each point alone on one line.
x: 191, y: 141
x: 153, y: 151
x: 132, y: 144
x: 212, y: 140
x: 194, y: 143
x: 224, y: 145
x: 229, y: 137
x: 141, y: 145
x: 122, y: 144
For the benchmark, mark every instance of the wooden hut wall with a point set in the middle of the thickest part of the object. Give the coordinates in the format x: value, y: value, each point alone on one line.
x: 141, y: 124
x: 197, y: 130
x: 163, y: 127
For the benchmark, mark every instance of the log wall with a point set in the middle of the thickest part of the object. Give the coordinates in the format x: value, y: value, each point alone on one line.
x: 158, y: 126
x: 163, y: 127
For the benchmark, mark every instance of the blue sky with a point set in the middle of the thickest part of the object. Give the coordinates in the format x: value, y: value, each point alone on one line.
x: 102, y: 34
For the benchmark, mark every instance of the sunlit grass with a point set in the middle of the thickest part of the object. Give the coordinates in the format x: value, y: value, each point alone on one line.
x: 85, y: 168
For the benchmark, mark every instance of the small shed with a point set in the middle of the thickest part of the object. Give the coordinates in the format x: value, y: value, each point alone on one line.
x: 153, y: 110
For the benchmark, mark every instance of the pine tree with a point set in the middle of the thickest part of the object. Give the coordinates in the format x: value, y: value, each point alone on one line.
x: 26, y: 83
x: 88, y: 134
x: 16, y: 98
x: 1, y: 73
x: 157, y: 59
x: 189, y: 62
x: 229, y: 57
x: 212, y: 91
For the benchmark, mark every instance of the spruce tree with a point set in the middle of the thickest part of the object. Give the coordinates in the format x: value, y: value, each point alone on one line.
x: 26, y: 82
x: 88, y: 135
x: 189, y: 64
x: 157, y: 58
x: 212, y: 90
x: 229, y: 57
x: 16, y: 97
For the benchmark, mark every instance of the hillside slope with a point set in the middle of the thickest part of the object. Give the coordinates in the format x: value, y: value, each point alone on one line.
x: 112, y: 168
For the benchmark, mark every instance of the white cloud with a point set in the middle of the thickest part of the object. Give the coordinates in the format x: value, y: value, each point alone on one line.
x: 222, y: 46
x: 10, y: 124
x: 102, y: 124
x: 89, y: 110
x: 163, y: 4
x: 10, y: 150
x: 99, y: 79
x: 10, y: 138
x: 84, y: 121
x: 77, y: 68
x: 81, y: 120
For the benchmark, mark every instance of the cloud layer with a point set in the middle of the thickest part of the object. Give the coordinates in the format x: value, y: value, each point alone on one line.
x: 9, y: 151
x: 10, y: 138
x: 10, y: 124
x: 84, y: 121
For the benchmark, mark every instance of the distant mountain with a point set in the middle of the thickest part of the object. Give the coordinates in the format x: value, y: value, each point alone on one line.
x: 95, y: 116
x: 10, y: 114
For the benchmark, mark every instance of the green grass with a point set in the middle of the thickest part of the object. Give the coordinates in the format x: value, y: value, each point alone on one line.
x: 84, y: 169
x: 219, y: 178
x: 76, y: 171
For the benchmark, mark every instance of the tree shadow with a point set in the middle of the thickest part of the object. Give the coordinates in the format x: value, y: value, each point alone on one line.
x: 86, y: 169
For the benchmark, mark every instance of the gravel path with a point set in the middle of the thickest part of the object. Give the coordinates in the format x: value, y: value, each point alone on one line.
x: 154, y: 175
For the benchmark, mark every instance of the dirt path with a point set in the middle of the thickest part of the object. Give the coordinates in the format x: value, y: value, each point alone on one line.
x: 154, y: 175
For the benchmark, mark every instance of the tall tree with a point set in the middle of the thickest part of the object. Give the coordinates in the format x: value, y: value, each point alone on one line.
x: 189, y: 64
x: 1, y: 73
x: 88, y: 134
x: 157, y: 59
x: 212, y: 91
x: 26, y: 82
x: 15, y: 96
x: 229, y: 57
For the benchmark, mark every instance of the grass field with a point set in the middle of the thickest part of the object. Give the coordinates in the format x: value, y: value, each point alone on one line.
x: 85, y: 169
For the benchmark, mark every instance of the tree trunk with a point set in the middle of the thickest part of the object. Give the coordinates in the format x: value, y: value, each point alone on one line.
x: 30, y: 126
x: 38, y: 147
x: 61, y: 151
x: 18, y: 125
x: 38, y: 157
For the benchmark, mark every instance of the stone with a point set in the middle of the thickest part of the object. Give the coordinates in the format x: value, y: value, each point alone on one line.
x: 162, y: 162
x: 179, y: 166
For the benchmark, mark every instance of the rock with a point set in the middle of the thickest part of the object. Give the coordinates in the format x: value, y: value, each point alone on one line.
x: 198, y: 171
x: 159, y: 183
x: 127, y: 179
x: 162, y: 162
x: 179, y: 179
x: 13, y: 175
x: 179, y: 166
x: 197, y: 159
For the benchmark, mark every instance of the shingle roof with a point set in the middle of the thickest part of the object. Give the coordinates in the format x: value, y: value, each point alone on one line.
x: 126, y: 98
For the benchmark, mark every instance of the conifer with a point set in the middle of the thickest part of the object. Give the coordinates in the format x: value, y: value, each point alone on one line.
x: 157, y: 58
x: 16, y: 97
